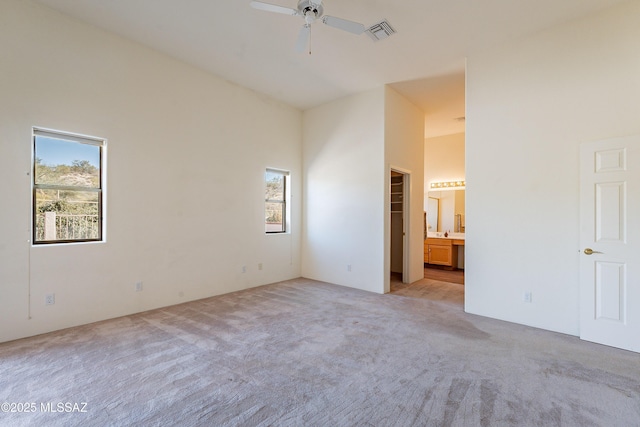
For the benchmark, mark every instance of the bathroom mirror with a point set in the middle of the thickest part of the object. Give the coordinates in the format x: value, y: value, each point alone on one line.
x: 449, y: 206
x: 433, y: 210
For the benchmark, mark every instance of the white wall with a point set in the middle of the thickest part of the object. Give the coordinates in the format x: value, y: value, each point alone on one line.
x: 529, y: 106
x: 404, y: 151
x: 344, y: 192
x: 186, y: 158
x: 349, y: 147
x: 444, y: 159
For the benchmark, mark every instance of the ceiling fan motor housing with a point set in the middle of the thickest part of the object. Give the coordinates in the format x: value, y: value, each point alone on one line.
x: 310, y: 6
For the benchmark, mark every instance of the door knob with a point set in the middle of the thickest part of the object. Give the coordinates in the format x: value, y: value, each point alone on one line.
x: 590, y: 251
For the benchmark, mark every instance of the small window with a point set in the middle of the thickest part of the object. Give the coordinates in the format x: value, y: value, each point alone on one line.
x: 67, y: 187
x: 275, y: 199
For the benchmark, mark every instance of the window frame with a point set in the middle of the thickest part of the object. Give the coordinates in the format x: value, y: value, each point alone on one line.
x: 100, y: 189
x: 285, y: 196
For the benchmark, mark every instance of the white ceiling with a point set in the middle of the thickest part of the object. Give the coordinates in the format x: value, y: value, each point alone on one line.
x: 424, y: 60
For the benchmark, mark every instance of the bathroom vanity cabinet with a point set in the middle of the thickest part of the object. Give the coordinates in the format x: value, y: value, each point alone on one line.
x: 440, y: 251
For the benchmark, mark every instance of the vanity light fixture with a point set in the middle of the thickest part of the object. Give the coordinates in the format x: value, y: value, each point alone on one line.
x: 447, y: 184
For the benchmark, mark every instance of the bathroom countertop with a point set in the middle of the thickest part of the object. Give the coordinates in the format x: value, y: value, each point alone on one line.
x: 440, y: 235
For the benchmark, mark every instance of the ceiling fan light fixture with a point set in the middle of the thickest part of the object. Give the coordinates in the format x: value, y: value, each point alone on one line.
x: 380, y: 31
x: 309, y: 18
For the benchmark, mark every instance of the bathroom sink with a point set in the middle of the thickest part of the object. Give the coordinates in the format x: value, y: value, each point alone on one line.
x: 440, y: 235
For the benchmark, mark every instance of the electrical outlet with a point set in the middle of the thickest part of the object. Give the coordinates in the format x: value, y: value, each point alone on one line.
x: 349, y: 267
x: 50, y: 299
x: 138, y: 286
x: 244, y: 268
x: 527, y: 296
x: 260, y: 266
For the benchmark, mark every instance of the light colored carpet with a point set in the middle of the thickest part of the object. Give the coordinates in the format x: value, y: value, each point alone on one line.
x: 307, y: 353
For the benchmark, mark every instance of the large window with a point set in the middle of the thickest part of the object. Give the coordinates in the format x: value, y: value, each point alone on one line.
x: 67, y: 187
x: 275, y: 198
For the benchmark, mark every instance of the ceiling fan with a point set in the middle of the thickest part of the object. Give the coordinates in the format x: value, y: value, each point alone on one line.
x: 310, y: 11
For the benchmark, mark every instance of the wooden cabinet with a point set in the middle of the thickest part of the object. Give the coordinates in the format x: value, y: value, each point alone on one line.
x: 440, y: 252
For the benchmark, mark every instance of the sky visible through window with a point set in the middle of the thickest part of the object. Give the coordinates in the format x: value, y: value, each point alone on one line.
x: 53, y: 152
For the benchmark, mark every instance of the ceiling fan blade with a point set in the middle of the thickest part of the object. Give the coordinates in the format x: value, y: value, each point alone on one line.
x: 303, y: 38
x: 273, y: 8
x: 343, y: 24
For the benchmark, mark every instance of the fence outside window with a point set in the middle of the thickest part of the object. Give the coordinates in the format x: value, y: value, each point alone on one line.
x: 56, y: 226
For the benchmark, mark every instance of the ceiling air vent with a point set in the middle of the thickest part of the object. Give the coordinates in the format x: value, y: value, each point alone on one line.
x: 380, y: 31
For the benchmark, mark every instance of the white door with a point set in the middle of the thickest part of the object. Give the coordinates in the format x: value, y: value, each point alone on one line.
x: 610, y: 242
